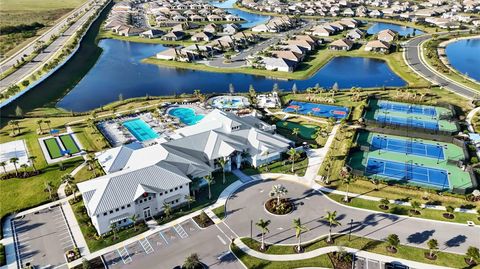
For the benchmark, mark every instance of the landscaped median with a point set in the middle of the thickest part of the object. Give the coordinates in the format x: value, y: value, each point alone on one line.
x: 343, y: 241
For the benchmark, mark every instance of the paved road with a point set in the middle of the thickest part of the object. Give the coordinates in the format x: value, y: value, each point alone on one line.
x: 41, y: 58
x: 247, y: 204
x: 55, y: 30
x: 413, y: 57
x: 169, y: 248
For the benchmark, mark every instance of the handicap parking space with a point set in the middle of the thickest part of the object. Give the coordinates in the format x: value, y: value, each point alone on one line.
x: 126, y: 256
x: 42, y: 238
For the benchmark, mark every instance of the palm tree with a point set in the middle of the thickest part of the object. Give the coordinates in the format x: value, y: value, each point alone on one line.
x: 385, y: 202
x: 24, y: 166
x: 133, y: 219
x: 450, y: 209
x: 196, y: 93
x: 296, y: 132
x: 192, y: 262
x: 114, y: 227
x: 32, y: 159
x: 47, y: 122
x: 416, y: 207
x: 393, y: 242
x: 432, y: 246
x: 3, y: 164
x: 473, y: 254
x: 266, y: 153
x: 331, y: 218
x: 39, y: 122
x: 12, y: 124
x: 14, y: 161
x: 68, y: 180
x: 263, y: 225
x: 278, y: 191
x: 195, y: 187
x: 347, y: 180
x: 299, y: 229
x: 223, y: 162
x: 167, y: 210
x: 190, y: 199
x: 293, y: 153
x: 209, y: 180
x: 49, y: 188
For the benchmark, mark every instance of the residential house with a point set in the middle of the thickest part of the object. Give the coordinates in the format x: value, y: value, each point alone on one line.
x: 202, y: 36
x: 341, y: 44
x: 152, y: 33
x: 278, y: 64
x: 387, y: 35
x: 173, y: 36
x: 377, y: 46
x: 355, y: 34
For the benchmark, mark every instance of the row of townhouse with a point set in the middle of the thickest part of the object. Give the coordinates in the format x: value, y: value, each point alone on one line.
x: 195, y: 52
x: 335, y: 27
x: 119, y: 20
x: 405, y: 10
x: 139, y: 181
x: 167, y: 13
x: 276, y: 25
x: 286, y: 55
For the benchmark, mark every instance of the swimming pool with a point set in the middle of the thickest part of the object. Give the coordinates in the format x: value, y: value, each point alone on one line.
x: 319, y: 110
x: 140, y: 129
x: 186, y: 115
x: 231, y: 102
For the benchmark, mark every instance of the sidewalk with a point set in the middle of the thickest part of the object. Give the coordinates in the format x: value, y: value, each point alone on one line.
x: 317, y: 156
x: 325, y: 250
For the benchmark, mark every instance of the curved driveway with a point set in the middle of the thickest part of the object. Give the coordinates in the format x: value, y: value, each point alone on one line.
x: 413, y: 58
x: 247, y: 204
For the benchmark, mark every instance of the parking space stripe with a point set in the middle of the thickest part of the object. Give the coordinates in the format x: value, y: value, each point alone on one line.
x: 161, y: 234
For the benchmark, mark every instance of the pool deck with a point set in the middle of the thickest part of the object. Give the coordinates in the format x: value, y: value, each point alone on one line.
x: 457, y: 177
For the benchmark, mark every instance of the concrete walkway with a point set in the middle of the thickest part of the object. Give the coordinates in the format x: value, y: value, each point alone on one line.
x: 326, y: 250
x: 317, y: 156
x: 470, y: 117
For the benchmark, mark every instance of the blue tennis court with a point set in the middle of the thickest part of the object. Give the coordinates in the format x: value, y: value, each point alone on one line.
x: 410, y: 122
x: 407, y: 146
x: 319, y: 110
x: 413, y: 173
x: 407, y: 108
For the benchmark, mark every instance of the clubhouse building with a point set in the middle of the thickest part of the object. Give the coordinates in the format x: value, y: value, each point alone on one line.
x: 139, y: 180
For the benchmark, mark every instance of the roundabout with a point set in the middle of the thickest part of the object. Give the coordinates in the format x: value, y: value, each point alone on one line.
x: 247, y: 205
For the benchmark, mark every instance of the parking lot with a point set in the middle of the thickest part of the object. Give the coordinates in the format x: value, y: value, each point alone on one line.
x: 42, y: 238
x: 131, y: 255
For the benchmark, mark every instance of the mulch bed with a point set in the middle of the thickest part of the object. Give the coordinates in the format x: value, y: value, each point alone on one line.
x: 384, y: 207
x: 392, y: 250
x: 271, y: 206
x: 448, y: 216
x: 204, y: 221
x: 414, y: 212
x: 433, y: 257
x: 467, y: 261
x: 20, y: 175
x: 95, y: 263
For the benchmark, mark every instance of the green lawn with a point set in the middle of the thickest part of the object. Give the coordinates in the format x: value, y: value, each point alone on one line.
x: 374, y: 246
x: 306, y: 131
x: 69, y: 144
x: 19, y: 194
x: 283, y: 167
x: 252, y: 262
x: 219, y: 211
x: 53, y: 148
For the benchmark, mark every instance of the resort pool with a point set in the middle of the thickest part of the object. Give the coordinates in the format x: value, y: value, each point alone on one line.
x: 186, y: 115
x: 140, y: 129
x: 232, y: 102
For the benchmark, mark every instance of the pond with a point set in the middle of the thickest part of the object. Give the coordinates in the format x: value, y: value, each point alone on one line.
x: 402, y: 30
x: 119, y: 70
x: 461, y: 55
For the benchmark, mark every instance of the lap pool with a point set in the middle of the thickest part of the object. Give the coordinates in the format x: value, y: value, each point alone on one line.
x: 140, y: 129
x: 186, y: 115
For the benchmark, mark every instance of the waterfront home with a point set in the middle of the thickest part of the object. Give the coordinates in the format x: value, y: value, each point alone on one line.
x: 350, y: 22
x: 173, y: 36
x: 278, y: 64
x: 341, y: 44
x: 231, y: 28
x: 176, y: 54
x: 289, y: 55
x: 202, y: 36
x: 355, y: 34
x: 129, y: 31
x: 139, y: 181
x: 378, y: 46
x: 152, y: 33
x: 301, y: 43
x: 321, y: 31
x: 261, y: 28
x: 387, y: 35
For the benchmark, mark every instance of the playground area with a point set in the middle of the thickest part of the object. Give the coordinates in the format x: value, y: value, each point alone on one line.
x: 228, y: 102
x: 410, y: 115
x: 412, y: 161
x: 319, y: 110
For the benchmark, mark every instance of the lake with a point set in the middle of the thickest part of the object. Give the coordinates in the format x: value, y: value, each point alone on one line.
x: 119, y: 70
x: 461, y: 55
x: 402, y: 30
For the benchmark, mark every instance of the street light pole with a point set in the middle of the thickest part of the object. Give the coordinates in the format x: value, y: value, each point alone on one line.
x: 251, y: 228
